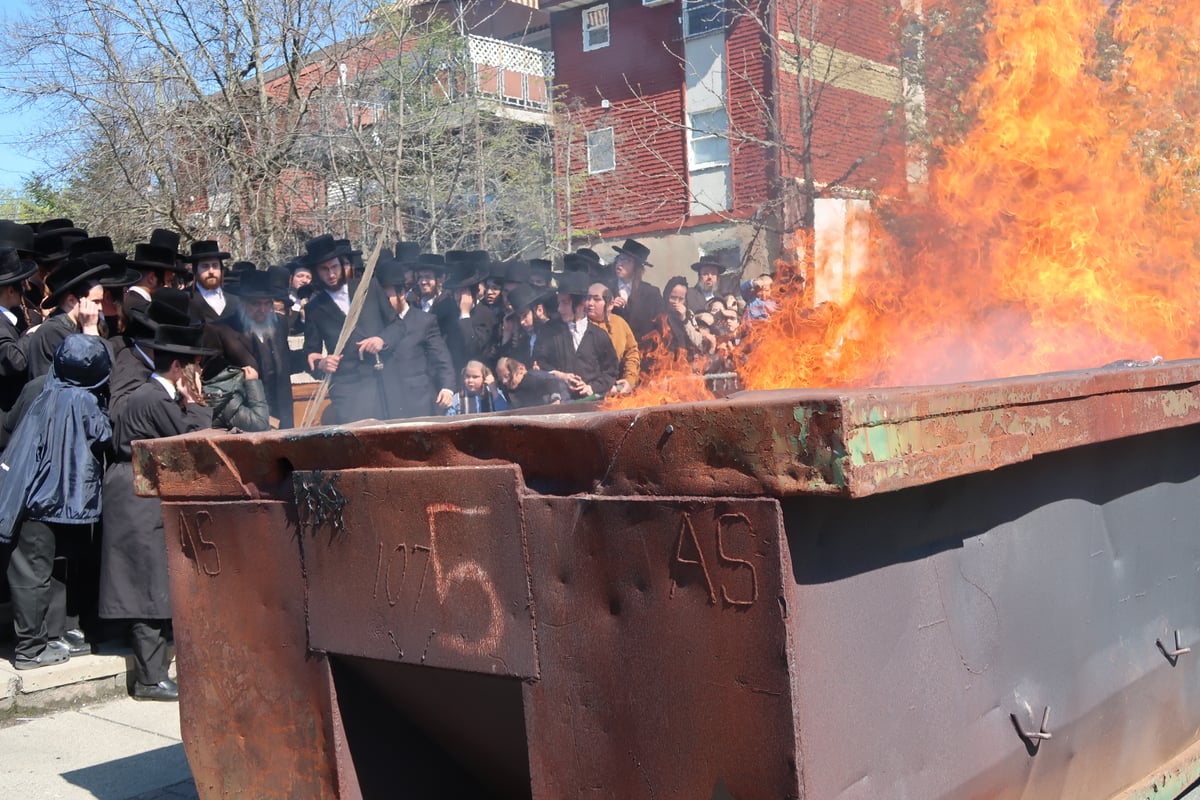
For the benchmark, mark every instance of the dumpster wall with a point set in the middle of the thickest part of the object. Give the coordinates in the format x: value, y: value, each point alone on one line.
x: 888, y: 593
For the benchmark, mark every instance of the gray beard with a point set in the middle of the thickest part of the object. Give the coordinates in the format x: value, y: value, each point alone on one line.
x: 260, y: 330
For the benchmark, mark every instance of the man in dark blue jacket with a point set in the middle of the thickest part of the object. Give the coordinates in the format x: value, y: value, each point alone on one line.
x: 50, y: 493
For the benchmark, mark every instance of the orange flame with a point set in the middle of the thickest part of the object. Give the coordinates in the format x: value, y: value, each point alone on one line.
x: 1061, y: 232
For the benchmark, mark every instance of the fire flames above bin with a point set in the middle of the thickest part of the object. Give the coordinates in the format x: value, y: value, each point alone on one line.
x: 1060, y: 232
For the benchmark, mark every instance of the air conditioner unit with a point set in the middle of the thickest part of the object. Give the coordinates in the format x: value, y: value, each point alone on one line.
x: 649, y: 3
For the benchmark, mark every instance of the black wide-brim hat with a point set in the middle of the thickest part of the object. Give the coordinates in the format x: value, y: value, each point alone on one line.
x: 318, y: 250
x: 17, y: 236
x: 433, y: 262
x: 635, y: 250
x: 408, y: 252
x: 12, y: 268
x: 167, y: 307
x: 523, y: 297
x: 708, y: 263
x: 463, y: 274
x: 118, y: 275
x: 156, y: 258
x: 391, y: 272
x: 179, y: 339
x: 205, y: 249
x: 256, y: 284
x: 575, y: 283
x: 71, y: 274
x: 54, y: 246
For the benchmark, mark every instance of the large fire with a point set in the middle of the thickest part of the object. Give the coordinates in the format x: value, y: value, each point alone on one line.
x: 1060, y: 232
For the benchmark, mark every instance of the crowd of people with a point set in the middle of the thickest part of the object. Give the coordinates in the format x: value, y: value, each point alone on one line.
x: 100, y: 348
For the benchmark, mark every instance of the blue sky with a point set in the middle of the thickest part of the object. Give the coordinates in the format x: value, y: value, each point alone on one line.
x: 16, y: 162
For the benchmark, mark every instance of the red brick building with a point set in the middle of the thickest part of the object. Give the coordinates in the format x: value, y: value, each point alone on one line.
x: 686, y: 124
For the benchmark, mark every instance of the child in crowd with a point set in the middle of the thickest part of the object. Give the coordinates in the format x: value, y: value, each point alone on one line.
x: 477, y: 392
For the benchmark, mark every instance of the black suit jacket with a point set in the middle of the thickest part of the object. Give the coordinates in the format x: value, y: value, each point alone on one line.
x: 416, y: 365
x: 201, y: 310
x: 644, y: 305
x: 354, y: 391
x: 595, y: 361
x: 276, y: 363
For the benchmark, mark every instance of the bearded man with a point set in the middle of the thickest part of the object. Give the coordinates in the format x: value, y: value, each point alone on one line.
x: 267, y: 335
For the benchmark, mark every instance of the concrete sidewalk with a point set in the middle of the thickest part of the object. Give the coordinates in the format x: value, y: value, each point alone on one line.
x: 118, y: 749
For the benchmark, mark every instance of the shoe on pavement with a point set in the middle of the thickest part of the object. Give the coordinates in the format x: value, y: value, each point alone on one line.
x: 76, y: 642
x: 163, y: 690
x: 55, y: 652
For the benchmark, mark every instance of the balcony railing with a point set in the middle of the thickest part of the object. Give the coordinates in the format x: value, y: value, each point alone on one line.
x: 514, y: 74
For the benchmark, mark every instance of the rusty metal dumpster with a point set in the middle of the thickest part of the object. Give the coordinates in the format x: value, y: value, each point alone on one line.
x: 981, y: 590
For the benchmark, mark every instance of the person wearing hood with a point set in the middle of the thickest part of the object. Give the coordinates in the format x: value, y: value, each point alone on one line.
x: 50, y: 484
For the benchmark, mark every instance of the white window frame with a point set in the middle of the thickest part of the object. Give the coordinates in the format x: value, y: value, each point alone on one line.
x: 588, y: 30
x: 592, y: 144
x: 693, y: 136
x: 702, y: 5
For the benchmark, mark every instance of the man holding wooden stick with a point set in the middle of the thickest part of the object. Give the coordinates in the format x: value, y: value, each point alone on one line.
x: 355, y: 388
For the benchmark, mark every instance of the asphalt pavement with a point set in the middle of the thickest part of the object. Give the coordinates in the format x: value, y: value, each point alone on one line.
x: 120, y: 749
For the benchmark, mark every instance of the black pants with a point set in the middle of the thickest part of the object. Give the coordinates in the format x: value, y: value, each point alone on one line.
x: 150, y: 656
x: 39, y: 600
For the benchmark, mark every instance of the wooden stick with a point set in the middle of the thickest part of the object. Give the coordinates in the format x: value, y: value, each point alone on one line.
x: 313, y: 410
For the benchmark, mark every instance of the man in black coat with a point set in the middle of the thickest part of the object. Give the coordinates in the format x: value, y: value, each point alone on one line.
x: 266, y: 332
x: 579, y: 353
x: 159, y: 269
x: 637, y: 302
x: 210, y: 301
x: 418, y: 377
x: 355, y: 390
x: 471, y: 330
x: 13, y: 365
x: 133, y: 571
x: 74, y: 295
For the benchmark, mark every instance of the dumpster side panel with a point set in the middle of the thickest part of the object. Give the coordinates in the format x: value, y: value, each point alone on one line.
x: 933, y: 623
x: 662, y: 642
x: 255, y: 707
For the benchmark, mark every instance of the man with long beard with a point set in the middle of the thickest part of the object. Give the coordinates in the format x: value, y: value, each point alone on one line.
x: 355, y: 391
x: 266, y: 332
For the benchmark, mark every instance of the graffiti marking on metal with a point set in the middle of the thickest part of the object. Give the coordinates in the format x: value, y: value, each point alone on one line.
x: 194, y: 544
x: 688, y: 539
x: 440, y: 583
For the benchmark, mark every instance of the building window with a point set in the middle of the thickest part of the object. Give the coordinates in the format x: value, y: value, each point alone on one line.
x: 595, y: 27
x: 708, y: 141
x: 703, y: 16
x: 601, y: 151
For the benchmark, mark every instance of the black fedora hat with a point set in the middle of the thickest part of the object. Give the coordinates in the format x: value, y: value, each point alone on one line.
x: 705, y: 262
x: 156, y: 258
x: 297, y: 265
x: 12, y: 268
x: 71, y: 275
x: 635, y: 250
x: 523, y: 297
x: 575, y: 283
x: 167, y: 307
x: 118, y: 275
x: 59, y: 227
x: 260, y: 283
x: 205, y: 249
x: 407, y: 252
x: 17, y: 236
x: 93, y: 249
x: 168, y: 240
x: 345, y: 248
x: 54, y: 246
x: 391, y: 272
x: 318, y: 250
x: 179, y: 339
x: 433, y: 262
x: 463, y: 273
x: 516, y: 272
x: 593, y: 258
x: 573, y: 262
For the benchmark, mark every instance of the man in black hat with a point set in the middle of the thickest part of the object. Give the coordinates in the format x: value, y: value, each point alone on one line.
x: 267, y: 334
x: 707, y: 272
x: 98, y: 250
x: 354, y: 388
x: 51, y: 242
x: 470, y: 329
x: 427, y: 276
x: 133, y: 364
x: 639, y: 303
x: 133, y: 575
x: 418, y: 377
x: 521, y: 327
x: 210, y: 302
x: 159, y: 268
x: 13, y: 363
x: 579, y: 353
x: 74, y: 296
